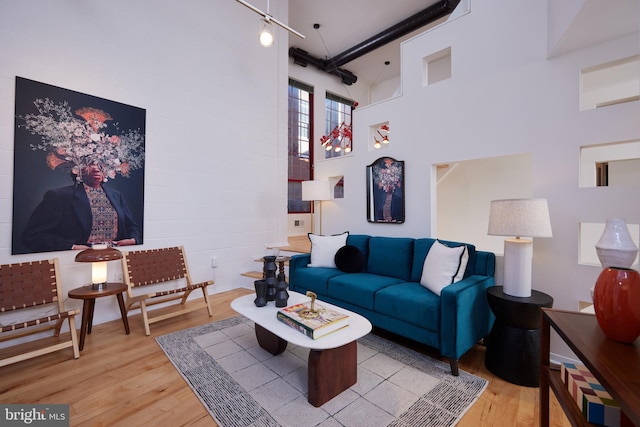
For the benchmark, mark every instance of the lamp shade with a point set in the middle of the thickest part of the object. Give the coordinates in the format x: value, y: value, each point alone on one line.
x: 519, y: 217
x: 98, y: 259
x: 98, y: 255
x: 316, y: 190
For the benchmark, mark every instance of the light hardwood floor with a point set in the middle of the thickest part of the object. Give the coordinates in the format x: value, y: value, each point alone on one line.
x: 122, y: 380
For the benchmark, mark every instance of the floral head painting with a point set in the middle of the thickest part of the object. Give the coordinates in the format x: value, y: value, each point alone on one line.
x: 60, y: 133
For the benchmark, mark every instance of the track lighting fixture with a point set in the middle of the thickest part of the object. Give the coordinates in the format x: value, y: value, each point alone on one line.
x: 267, y: 36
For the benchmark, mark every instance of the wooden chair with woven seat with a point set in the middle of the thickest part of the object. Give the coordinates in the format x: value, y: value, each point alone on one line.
x: 160, y: 267
x: 31, y: 302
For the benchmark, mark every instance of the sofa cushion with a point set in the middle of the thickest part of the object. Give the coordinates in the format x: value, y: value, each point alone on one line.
x: 324, y: 248
x: 359, y: 288
x: 350, y: 259
x: 411, y: 302
x: 313, y: 279
x: 360, y: 241
x: 391, y: 256
x: 421, y: 248
x: 442, y: 265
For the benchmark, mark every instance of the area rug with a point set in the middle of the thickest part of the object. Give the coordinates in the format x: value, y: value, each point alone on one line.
x: 241, y: 384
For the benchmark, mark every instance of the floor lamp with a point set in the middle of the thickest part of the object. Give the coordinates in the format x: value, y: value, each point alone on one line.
x: 316, y: 191
x: 519, y: 217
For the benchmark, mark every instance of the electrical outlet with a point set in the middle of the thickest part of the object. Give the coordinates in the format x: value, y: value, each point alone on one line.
x: 214, y: 261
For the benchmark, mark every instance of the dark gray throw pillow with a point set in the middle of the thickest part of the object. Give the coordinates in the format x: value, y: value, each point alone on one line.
x: 350, y: 259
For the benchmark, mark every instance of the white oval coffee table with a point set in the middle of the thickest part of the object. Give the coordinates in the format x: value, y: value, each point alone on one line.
x: 332, y: 364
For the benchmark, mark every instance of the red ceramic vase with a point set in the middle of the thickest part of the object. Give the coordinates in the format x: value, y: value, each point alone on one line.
x: 616, y: 300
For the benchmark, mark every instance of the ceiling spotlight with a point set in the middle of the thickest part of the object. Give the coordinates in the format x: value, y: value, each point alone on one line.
x: 266, y: 36
x: 267, y: 40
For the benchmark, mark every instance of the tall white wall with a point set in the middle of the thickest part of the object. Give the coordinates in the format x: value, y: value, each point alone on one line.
x: 464, y: 194
x: 504, y: 97
x: 216, y: 110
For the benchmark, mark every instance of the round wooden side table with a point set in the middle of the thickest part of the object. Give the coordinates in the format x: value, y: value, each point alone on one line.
x: 513, y: 345
x: 89, y: 295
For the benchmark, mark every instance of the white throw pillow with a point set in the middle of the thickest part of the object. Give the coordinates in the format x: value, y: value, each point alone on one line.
x: 464, y: 260
x: 443, y: 266
x: 324, y: 248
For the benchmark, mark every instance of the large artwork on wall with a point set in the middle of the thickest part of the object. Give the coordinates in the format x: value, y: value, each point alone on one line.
x: 385, y: 191
x: 78, y: 170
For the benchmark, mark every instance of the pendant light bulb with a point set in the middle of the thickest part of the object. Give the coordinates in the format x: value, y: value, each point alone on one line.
x: 266, y: 35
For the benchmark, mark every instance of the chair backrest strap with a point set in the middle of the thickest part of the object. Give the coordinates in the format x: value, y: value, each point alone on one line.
x: 146, y: 267
x: 27, y: 284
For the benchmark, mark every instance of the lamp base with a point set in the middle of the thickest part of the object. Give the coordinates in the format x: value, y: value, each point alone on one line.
x: 99, y: 286
x: 518, y: 254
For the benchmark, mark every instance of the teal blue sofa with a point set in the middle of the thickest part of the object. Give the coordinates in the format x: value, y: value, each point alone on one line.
x: 387, y: 291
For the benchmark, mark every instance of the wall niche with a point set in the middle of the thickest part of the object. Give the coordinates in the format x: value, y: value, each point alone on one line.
x: 436, y: 67
x: 610, y: 164
x: 611, y: 83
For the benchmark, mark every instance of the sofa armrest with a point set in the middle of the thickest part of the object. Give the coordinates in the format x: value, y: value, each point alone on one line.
x: 485, y: 264
x: 465, y: 316
x: 297, y: 262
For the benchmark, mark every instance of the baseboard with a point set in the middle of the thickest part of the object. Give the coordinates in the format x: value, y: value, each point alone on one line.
x: 557, y: 359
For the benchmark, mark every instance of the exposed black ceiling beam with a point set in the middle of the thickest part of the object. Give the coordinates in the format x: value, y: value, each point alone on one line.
x: 303, y: 58
x: 418, y: 20
x: 332, y: 65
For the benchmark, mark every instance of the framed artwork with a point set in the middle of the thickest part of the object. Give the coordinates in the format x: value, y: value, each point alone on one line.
x: 385, y: 191
x: 78, y: 170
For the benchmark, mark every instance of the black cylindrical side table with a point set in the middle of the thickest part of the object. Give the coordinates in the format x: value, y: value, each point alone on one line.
x: 513, y: 345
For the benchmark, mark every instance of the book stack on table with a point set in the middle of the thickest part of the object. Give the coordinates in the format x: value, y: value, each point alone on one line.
x: 327, y: 320
x: 596, y: 404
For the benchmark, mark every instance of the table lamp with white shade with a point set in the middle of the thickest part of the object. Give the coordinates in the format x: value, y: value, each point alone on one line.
x: 98, y: 255
x: 316, y: 191
x: 519, y: 218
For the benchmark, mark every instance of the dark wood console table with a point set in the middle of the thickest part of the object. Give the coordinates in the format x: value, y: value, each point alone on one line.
x: 615, y: 365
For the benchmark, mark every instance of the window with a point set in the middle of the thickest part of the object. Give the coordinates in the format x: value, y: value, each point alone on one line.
x: 300, y: 149
x: 337, y: 137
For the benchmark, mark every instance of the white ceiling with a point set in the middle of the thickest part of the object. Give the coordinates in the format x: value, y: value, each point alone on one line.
x: 346, y: 23
x: 593, y: 22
